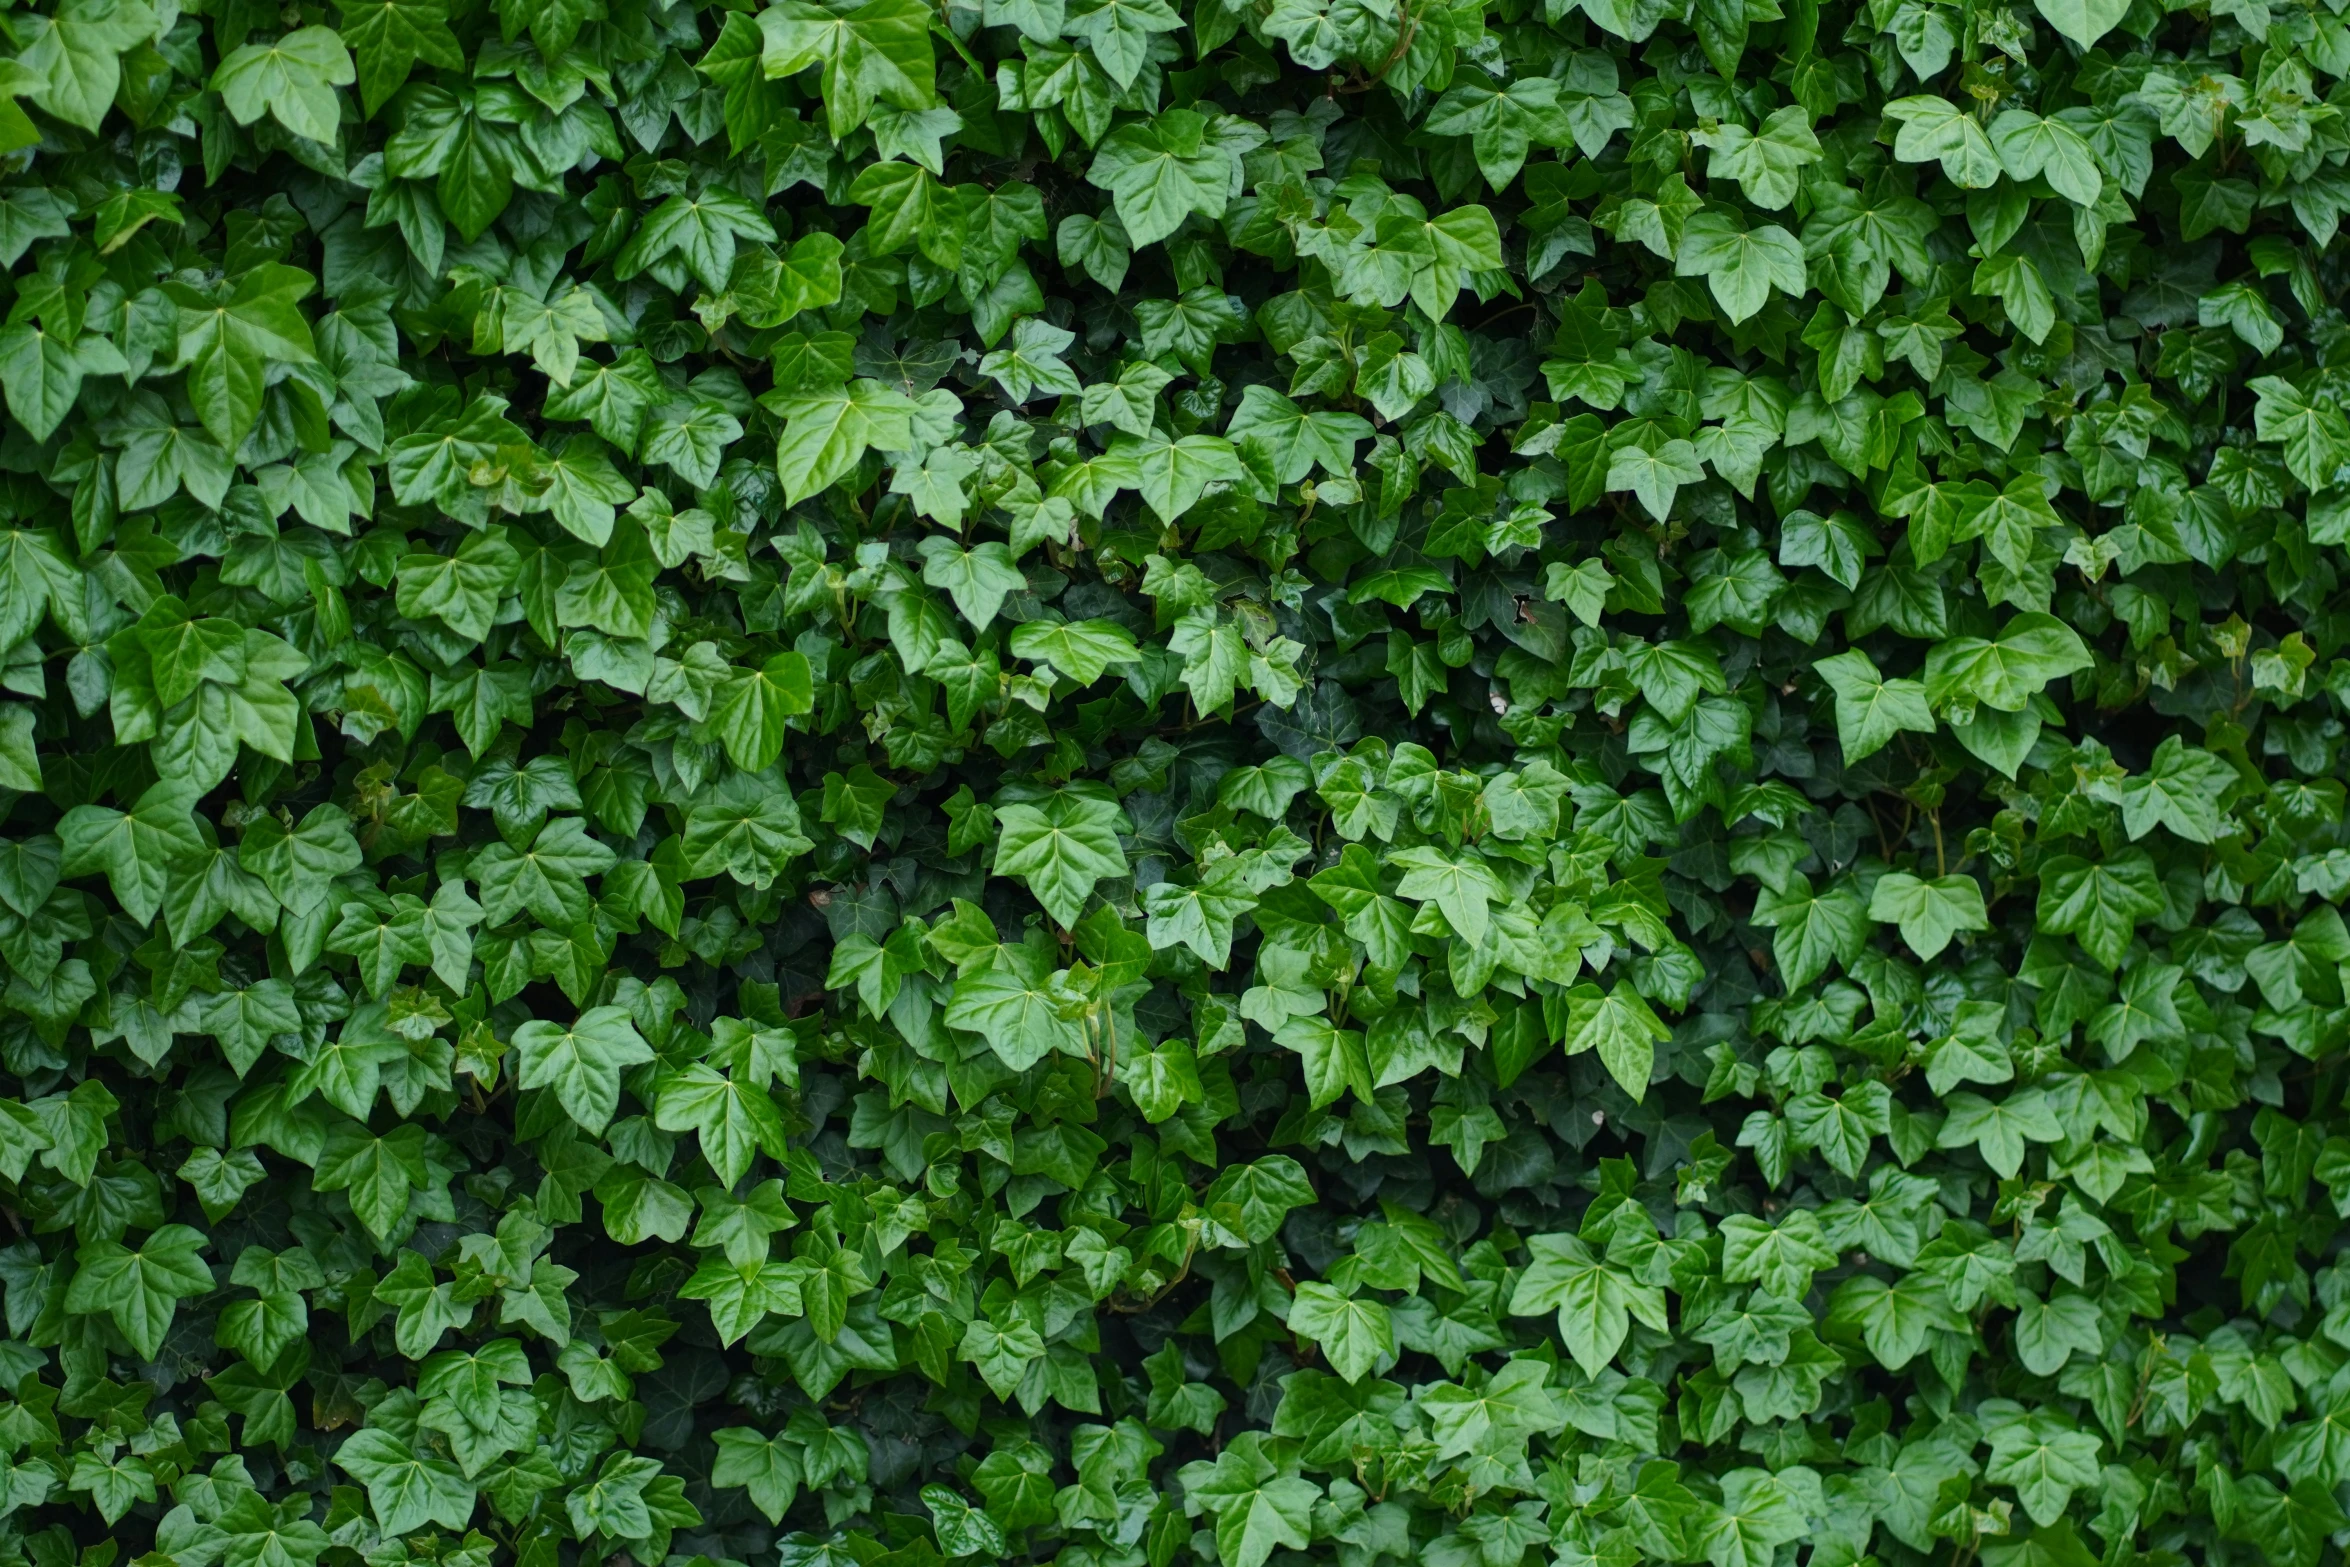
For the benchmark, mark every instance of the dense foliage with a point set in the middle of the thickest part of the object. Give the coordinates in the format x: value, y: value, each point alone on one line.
x: 1411, y: 781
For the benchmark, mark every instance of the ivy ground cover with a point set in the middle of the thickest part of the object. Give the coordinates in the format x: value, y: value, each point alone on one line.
x: 1174, y: 783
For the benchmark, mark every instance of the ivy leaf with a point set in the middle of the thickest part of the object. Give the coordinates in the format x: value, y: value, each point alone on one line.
x: 74, y: 56
x: 42, y: 376
x: 1999, y: 1130
x: 1354, y: 1334
x: 1656, y: 474
x: 2182, y: 789
x: 293, y: 79
x: 228, y: 344
x: 962, y: 1530
x: 768, y: 1468
x: 1766, y: 162
x: 1161, y: 171
x: 1173, y: 473
x: 1080, y: 649
x: 378, y: 1172
x: 547, y: 878
x: 1741, y: 266
x: 1299, y: 441
x: 1621, y: 1027
x: 1871, y: 709
x: 1503, y: 121
x: 2032, y: 146
x: 1811, y: 929
x: 826, y: 431
x: 1934, y: 127
x: 752, y: 708
x: 390, y: 36
x: 2044, y: 1460
x: 406, y: 1491
x: 1492, y: 1421
x: 733, y: 1118
x: 135, y: 848
x: 700, y: 230
x: 140, y: 1290
x: 873, y: 49
x: 463, y: 588
x: 1595, y: 1301
x: 581, y: 1063
x: 2082, y: 21
x: 1758, y: 1514
x: 2003, y: 672
x: 1018, y: 1015
x: 977, y: 579
x: 1201, y: 915
x: 1061, y: 849
x: 1032, y: 364
x: 1929, y: 912
x: 2101, y: 902
x: 1255, y: 1507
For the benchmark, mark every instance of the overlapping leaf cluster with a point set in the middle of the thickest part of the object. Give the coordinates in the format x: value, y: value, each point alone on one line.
x: 850, y: 783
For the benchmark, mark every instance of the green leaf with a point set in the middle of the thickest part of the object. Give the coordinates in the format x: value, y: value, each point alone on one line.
x: 292, y: 79
x: 1174, y: 473
x: 1494, y: 1420
x: 1061, y: 849
x: 734, y: 1119
x: 1811, y: 929
x: 1655, y: 475
x: 768, y: 1468
x: 1871, y: 709
x: 2031, y: 146
x: 73, y: 56
x: 876, y: 49
x: 1254, y: 1506
x: 406, y: 1491
x: 2101, y: 902
x: 1354, y: 1334
x: 2044, y: 1460
x: 140, y: 1290
x: 461, y: 589
x: 136, y: 849
x: 229, y: 343
x: 1032, y: 364
x: 1781, y: 1257
x: 1595, y: 1301
x: 1766, y: 162
x: 2082, y: 21
x: 1929, y: 912
x: 1934, y: 127
x: 1741, y: 266
x: 1999, y: 1130
x: 962, y: 1530
x: 1018, y: 1014
x: 1201, y: 915
x: 41, y: 375
x: 1299, y: 441
x: 378, y: 1172
x: 1621, y: 1027
x: 1503, y: 121
x: 2182, y: 789
x: 752, y: 708
x: 1759, y: 1513
x: 390, y: 36
x: 826, y: 431
x: 581, y: 1063
x: 2002, y: 672
x: 1159, y: 172
x: 1081, y: 649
